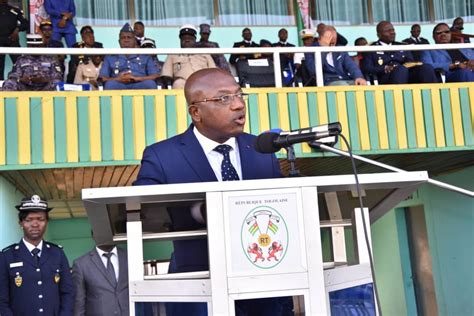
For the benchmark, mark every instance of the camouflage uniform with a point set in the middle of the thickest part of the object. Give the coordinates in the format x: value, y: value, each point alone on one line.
x: 43, y: 66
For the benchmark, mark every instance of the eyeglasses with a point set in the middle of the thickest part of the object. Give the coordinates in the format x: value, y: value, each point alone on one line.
x: 443, y: 32
x: 225, y: 99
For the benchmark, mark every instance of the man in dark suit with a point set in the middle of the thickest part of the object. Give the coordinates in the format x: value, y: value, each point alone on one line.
x: 101, y: 280
x: 286, y: 59
x: 34, y: 274
x: 416, y: 39
x: 338, y: 67
x: 395, y: 67
x: 213, y: 148
x: 247, y: 42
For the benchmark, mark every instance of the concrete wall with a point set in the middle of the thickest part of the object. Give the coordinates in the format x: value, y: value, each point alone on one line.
x: 10, y: 231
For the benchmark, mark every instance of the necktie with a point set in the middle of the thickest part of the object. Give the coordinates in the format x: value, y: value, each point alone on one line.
x: 227, y: 169
x: 35, y: 253
x: 110, y: 267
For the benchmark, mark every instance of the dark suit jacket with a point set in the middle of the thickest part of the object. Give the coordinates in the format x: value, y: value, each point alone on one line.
x: 374, y: 62
x: 181, y: 159
x: 26, y: 287
x: 95, y: 291
x: 410, y: 40
x: 344, y: 67
x: 233, y: 58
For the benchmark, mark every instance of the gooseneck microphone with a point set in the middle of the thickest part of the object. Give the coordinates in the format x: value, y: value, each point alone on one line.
x: 271, y: 142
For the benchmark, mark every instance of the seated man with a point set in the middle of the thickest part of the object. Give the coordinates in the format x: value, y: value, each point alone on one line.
x: 247, y: 42
x: 302, y: 75
x: 395, y: 67
x: 139, y: 30
x: 286, y: 60
x: 219, y: 59
x: 338, y: 67
x: 180, y: 67
x: 457, y: 64
x: 34, y: 72
x: 120, y: 72
x: 46, y: 32
x: 88, y: 41
x: 340, y: 41
x: 416, y: 39
x: 457, y: 34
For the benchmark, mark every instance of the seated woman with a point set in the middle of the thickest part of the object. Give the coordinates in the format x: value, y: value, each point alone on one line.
x: 88, y: 72
x: 457, y: 64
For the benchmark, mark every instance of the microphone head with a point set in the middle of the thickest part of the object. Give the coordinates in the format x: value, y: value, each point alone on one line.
x: 265, y: 143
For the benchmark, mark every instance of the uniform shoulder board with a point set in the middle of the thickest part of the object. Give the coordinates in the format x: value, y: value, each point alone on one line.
x: 9, y: 247
x: 52, y: 244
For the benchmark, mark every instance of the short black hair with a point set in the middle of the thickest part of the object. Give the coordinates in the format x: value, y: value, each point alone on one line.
x: 139, y: 23
x: 23, y: 215
x: 86, y: 27
x: 246, y: 29
x: 359, y: 39
x: 415, y: 25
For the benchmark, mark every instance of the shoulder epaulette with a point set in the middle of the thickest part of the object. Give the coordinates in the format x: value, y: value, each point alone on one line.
x: 9, y: 247
x: 49, y: 244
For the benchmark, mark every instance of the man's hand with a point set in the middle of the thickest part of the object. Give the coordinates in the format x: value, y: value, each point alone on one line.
x: 14, y: 35
x: 326, y: 38
x: 389, y: 68
x: 125, y: 77
x: 62, y: 22
x: 360, y: 82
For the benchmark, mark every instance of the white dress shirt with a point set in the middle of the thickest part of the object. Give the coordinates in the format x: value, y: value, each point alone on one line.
x: 113, y: 259
x: 31, y: 246
x: 215, y: 158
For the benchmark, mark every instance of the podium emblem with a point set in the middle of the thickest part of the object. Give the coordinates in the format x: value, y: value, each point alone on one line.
x: 264, y: 237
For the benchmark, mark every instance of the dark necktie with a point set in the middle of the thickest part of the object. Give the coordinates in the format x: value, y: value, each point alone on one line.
x: 35, y: 253
x: 227, y: 169
x: 110, y: 267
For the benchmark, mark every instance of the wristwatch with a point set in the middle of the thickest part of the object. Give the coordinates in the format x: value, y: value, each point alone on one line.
x: 457, y: 63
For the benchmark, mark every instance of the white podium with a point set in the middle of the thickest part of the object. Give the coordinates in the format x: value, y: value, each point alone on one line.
x: 263, y: 235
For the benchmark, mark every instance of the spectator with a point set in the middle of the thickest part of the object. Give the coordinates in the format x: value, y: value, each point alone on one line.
x: 302, y: 75
x: 416, y: 40
x: 341, y: 40
x: 180, y: 67
x: 11, y: 23
x: 395, y: 67
x: 88, y: 41
x: 149, y: 43
x: 34, y: 274
x: 46, y: 29
x: 128, y: 71
x: 286, y: 59
x: 247, y: 42
x: 34, y: 72
x: 219, y: 59
x: 266, y: 43
x: 62, y: 13
x: 360, y: 41
x: 139, y: 30
x: 456, y: 29
x: 88, y: 72
x: 457, y: 64
x: 101, y: 281
x: 338, y: 67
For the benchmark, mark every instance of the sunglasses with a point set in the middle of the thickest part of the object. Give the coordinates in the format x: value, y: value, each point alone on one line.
x: 443, y: 32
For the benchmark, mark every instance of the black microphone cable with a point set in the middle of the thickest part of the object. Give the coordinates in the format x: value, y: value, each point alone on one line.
x: 364, y: 224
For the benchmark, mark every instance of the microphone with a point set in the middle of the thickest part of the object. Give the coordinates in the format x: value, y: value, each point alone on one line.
x: 272, y: 141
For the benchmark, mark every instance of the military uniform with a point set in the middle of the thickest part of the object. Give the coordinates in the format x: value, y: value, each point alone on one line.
x: 374, y: 63
x: 76, y: 60
x: 10, y: 19
x: 180, y: 67
x: 86, y: 73
x: 219, y: 59
x: 45, y: 66
x: 138, y: 65
x: 30, y: 288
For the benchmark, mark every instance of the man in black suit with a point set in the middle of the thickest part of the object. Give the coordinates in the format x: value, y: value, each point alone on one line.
x: 286, y: 59
x: 416, y: 40
x: 247, y: 42
x: 395, y: 67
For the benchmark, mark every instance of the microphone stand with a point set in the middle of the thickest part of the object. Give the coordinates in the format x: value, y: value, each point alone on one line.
x: 391, y: 168
x: 291, y: 157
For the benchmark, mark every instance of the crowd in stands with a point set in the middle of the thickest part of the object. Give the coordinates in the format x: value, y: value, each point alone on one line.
x: 39, y: 72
